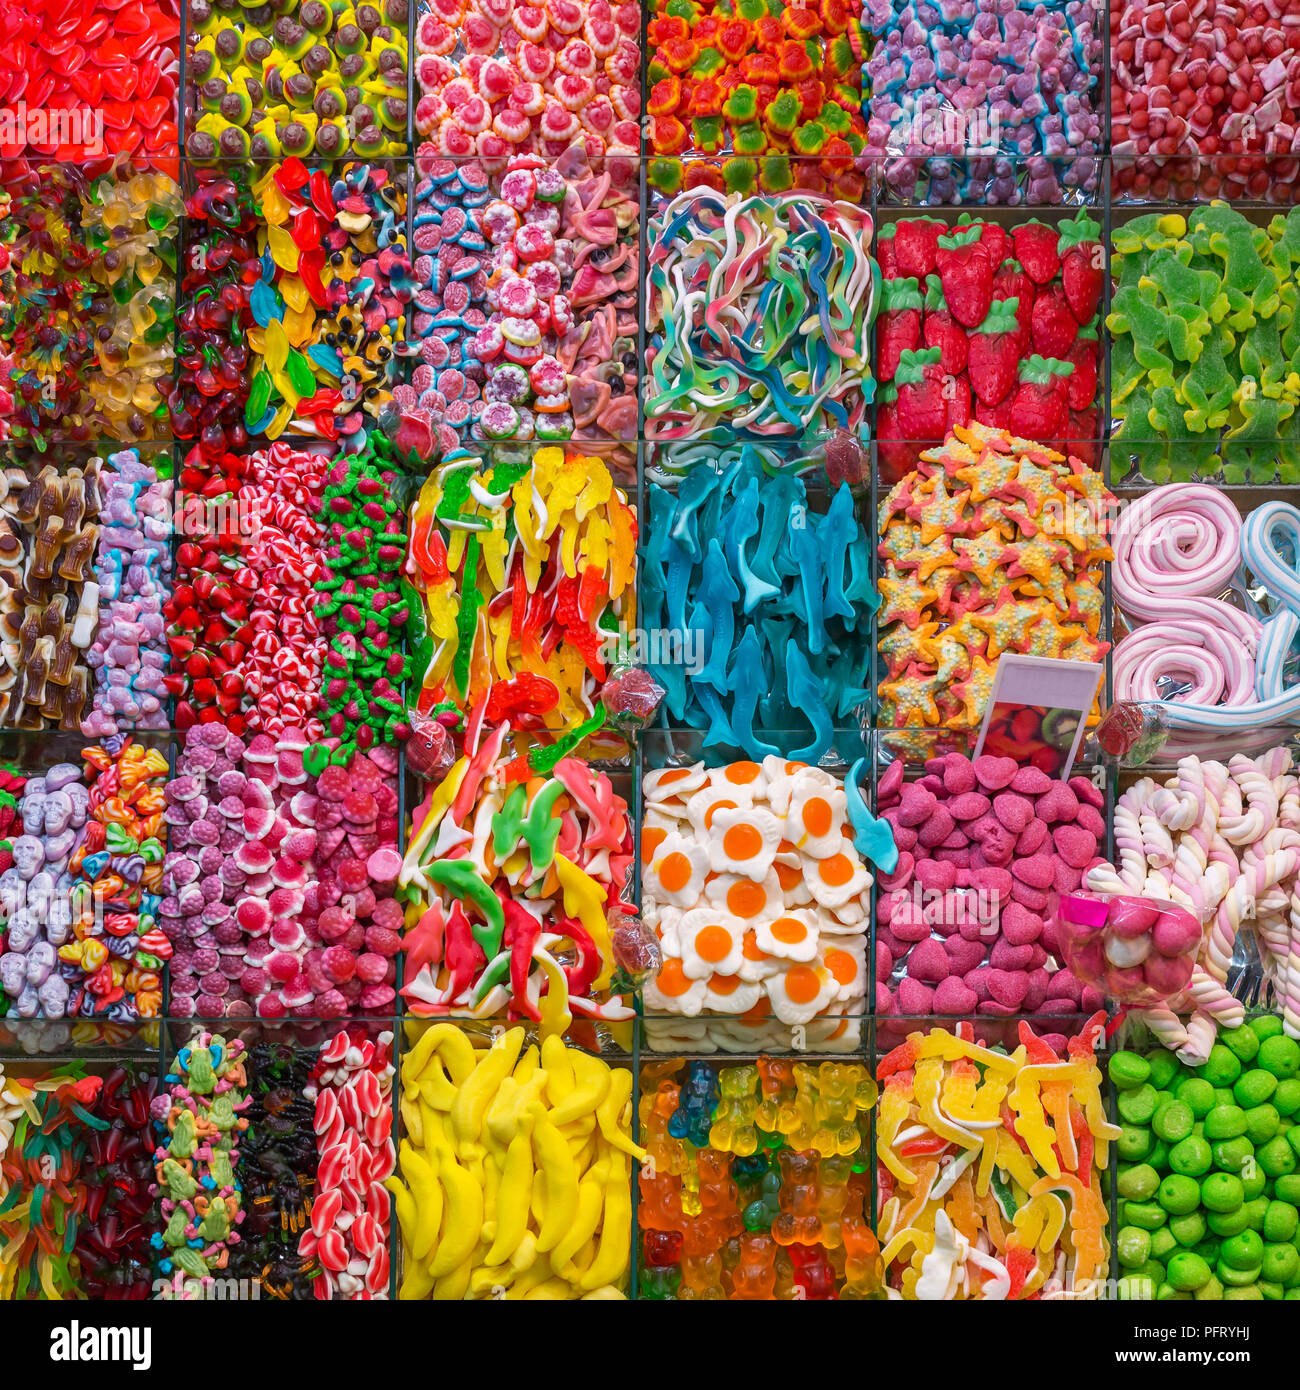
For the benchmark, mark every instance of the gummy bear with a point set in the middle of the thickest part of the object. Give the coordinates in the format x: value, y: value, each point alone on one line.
x: 798, y: 1223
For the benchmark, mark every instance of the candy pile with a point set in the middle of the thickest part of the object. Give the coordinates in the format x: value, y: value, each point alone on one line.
x: 769, y: 643
x: 981, y: 324
x: 200, y: 1120
x: 963, y: 922
x: 114, y: 62
x: 114, y: 961
x: 527, y: 311
x: 1211, y: 664
x: 48, y: 598
x: 993, y: 544
x: 985, y: 103
x: 488, y: 1132
x: 1208, y: 1191
x: 277, y: 1173
x: 208, y: 395
x: 518, y: 878
x: 89, y: 319
x: 330, y: 307
x: 989, y: 1167
x: 526, y: 570
x: 133, y: 568
x: 243, y: 626
x: 496, y: 77
x: 352, y: 1085
x: 760, y: 903
x: 1195, y: 393
x: 360, y: 608
x: 777, y: 88
x: 757, y: 1184
x: 315, y: 78
x: 1207, y: 1183
x: 1204, y: 101
x: 760, y: 314
x: 36, y: 899
x: 113, y: 1246
x: 262, y: 854
x: 1221, y: 841
x: 43, y: 1124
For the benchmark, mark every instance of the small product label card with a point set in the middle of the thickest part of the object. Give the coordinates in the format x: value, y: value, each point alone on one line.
x: 1038, y: 711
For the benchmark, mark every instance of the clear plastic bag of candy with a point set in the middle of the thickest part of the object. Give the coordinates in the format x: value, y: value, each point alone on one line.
x: 631, y: 697
x: 1139, y: 950
x: 430, y: 751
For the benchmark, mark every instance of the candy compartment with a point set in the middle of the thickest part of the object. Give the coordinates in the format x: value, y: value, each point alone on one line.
x: 757, y: 1184
x: 527, y: 304
x: 1206, y: 401
x: 977, y: 104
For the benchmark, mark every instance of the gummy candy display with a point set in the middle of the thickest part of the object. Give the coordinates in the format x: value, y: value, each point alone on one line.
x: 649, y: 651
x: 296, y: 80
x: 990, y: 1166
x: 522, y: 920
x: 472, y: 1230
x: 757, y: 1182
x: 526, y: 302
x: 760, y: 906
x: 86, y: 318
x: 510, y: 617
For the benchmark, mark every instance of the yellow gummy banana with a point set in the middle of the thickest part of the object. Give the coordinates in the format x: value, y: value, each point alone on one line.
x: 464, y: 1215
x: 591, y: 1083
x: 477, y: 1090
x: 591, y: 1202
x: 556, y: 1162
x: 615, y: 1232
x: 514, y: 1195
x: 610, y: 1114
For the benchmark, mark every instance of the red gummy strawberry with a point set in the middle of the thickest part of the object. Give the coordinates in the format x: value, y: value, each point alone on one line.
x: 967, y: 276
x: 941, y: 330
x: 1082, y: 428
x: 899, y: 326
x: 1081, y: 389
x: 956, y: 394
x: 915, y: 244
x: 1036, y: 250
x: 992, y: 237
x: 1011, y: 282
x: 997, y: 417
x: 922, y: 410
x: 896, y: 456
x: 1053, y: 328
x: 1082, y: 266
x: 994, y: 353
x: 1038, y: 409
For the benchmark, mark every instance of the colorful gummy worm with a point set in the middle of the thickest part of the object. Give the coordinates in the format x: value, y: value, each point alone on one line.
x: 526, y: 569
x: 797, y: 273
x: 769, y: 1161
x: 521, y: 879
x: 989, y: 1167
